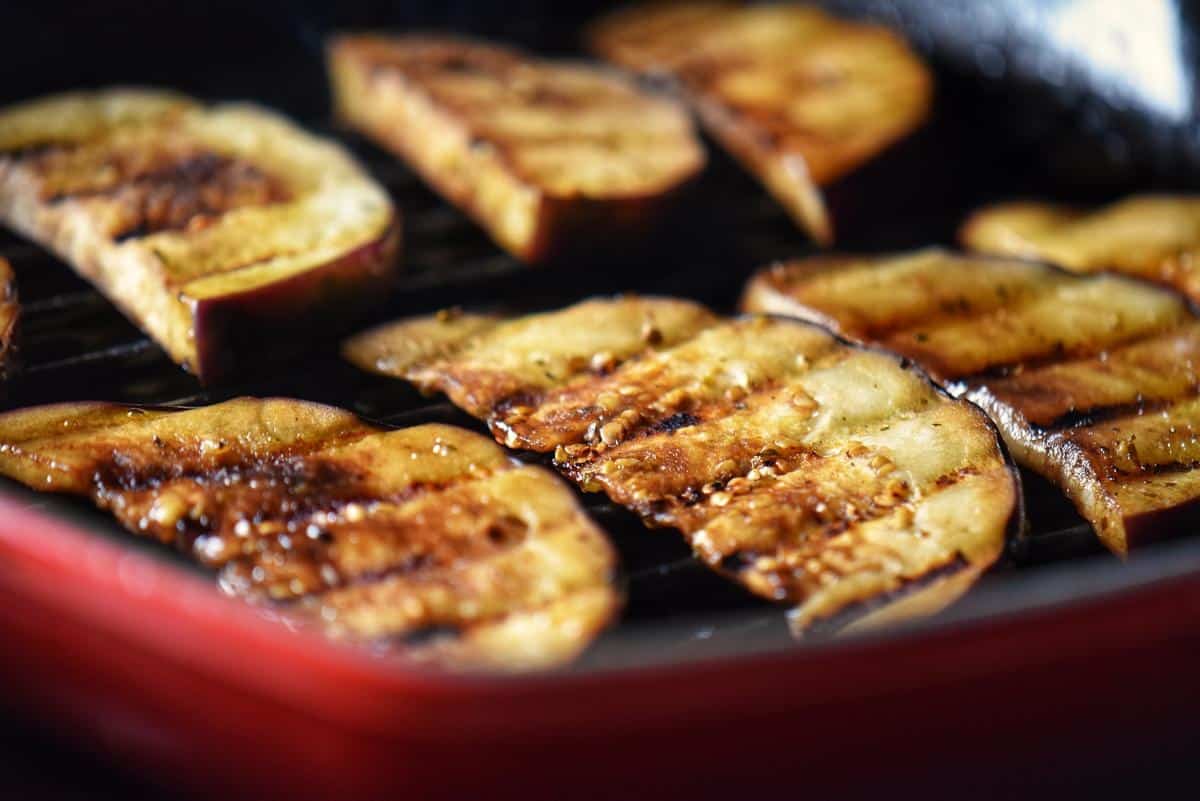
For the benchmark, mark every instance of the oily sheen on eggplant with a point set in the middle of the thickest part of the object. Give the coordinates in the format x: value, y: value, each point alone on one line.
x: 225, y: 232
x: 799, y: 97
x: 816, y: 473
x: 1153, y: 237
x: 10, y: 315
x: 550, y: 157
x: 1092, y: 379
x: 429, y: 540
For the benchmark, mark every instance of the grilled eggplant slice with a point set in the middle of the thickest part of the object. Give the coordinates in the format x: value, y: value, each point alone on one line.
x: 799, y: 97
x: 814, y: 472
x: 1152, y: 237
x: 10, y: 314
x: 549, y: 157
x: 225, y: 233
x: 427, y: 539
x: 1092, y: 379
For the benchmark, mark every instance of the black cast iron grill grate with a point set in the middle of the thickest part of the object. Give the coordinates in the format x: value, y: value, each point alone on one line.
x: 77, y: 346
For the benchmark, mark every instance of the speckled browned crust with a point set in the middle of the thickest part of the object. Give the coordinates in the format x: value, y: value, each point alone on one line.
x: 551, y: 158
x: 1153, y: 237
x: 814, y: 472
x: 426, y: 540
x: 799, y: 97
x: 225, y: 232
x: 10, y: 315
x: 1094, y: 381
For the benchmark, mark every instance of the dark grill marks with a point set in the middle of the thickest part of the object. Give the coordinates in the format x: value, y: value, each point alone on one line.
x: 1110, y: 415
x: 784, y: 456
x: 177, y: 191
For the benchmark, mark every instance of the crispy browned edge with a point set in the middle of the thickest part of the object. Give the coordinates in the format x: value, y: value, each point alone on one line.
x: 566, y: 226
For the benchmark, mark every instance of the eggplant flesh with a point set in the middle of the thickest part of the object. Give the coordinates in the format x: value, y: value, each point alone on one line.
x: 552, y: 158
x: 10, y: 315
x: 814, y: 472
x: 801, y: 98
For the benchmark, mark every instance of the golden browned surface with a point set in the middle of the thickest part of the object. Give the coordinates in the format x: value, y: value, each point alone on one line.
x: 1093, y: 380
x: 1155, y: 237
x: 813, y: 472
x: 10, y: 313
x: 220, y: 231
x: 799, y: 97
x: 428, y: 539
x: 540, y: 153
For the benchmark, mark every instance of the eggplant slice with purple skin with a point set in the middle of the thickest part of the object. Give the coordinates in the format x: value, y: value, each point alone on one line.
x: 429, y: 541
x: 1153, y: 237
x: 816, y: 473
x: 1093, y: 380
x: 226, y: 233
x: 552, y: 158
x: 801, y: 98
x: 10, y: 315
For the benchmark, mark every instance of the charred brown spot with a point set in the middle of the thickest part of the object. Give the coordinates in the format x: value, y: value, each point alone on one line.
x: 176, y: 191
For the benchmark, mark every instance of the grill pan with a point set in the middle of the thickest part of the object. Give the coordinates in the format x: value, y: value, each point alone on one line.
x: 126, y: 646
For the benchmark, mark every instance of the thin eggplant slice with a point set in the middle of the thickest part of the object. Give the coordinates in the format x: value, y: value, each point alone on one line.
x: 429, y: 540
x: 226, y: 233
x: 816, y: 473
x: 10, y: 315
x: 799, y: 97
x: 550, y: 157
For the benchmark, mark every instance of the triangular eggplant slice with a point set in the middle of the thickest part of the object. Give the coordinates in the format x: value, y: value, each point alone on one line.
x: 225, y: 232
x: 1092, y: 379
x: 799, y: 97
x: 1153, y: 237
x: 817, y: 473
x: 428, y: 540
x: 552, y: 158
